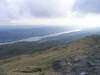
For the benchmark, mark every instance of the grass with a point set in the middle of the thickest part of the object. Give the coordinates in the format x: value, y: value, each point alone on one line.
x: 45, y: 59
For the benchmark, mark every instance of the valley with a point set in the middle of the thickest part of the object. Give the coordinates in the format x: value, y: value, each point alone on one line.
x: 10, y: 34
x: 38, y: 38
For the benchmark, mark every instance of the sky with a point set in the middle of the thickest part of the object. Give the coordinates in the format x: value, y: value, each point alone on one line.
x: 80, y: 13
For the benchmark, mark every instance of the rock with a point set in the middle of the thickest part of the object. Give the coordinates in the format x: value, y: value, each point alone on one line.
x: 29, y: 69
x: 72, y: 66
x: 79, y: 65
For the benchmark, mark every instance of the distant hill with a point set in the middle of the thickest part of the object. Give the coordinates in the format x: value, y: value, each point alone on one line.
x: 87, y: 49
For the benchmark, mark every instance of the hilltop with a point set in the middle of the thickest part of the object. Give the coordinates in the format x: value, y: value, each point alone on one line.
x: 32, y: 64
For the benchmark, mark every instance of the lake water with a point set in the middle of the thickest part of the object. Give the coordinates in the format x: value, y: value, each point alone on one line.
x: 32, y: 39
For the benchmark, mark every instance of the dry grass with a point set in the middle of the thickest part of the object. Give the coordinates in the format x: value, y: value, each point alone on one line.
x: 45, y: 59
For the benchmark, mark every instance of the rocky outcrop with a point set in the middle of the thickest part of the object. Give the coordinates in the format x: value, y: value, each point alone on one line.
x: 79, y: 65
x: 29, y: 70
x: 72, y: 66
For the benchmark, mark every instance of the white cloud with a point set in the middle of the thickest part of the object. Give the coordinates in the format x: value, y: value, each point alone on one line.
x: 35, y: 8
x: 46, y: 12
x: 90, y: 20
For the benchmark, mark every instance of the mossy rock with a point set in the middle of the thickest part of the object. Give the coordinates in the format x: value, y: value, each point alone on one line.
x: 29, y: 69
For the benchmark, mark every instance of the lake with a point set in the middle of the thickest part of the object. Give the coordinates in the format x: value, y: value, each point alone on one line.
x: 32, y: 39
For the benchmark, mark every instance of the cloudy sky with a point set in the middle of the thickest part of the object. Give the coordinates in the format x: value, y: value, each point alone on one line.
x: 82, y: 13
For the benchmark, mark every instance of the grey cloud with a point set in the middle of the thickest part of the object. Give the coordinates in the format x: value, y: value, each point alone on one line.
x: 34, y: 8
x: 42, y: 8
x: 87, y: 6
x: 37, y: 8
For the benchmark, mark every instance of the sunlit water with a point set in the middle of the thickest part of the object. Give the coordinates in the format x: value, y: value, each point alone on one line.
x: 32, y: 39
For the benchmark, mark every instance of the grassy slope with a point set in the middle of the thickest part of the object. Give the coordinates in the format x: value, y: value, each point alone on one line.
x: 7, y: 51
x: 46, y: 58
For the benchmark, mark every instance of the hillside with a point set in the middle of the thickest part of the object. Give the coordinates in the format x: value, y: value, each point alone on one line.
x: 11, y: 50
x: 19, y: 48
x: 45, y: 63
